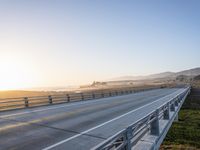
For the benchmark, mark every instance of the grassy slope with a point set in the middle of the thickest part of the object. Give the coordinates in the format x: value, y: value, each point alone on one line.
x: 185, y: 134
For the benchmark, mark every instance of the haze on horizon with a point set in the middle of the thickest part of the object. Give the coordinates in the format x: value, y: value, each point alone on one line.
x: 61, y: 43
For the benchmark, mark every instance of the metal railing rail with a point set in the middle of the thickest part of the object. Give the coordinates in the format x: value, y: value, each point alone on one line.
x: 27, y: 102
x: 148, y: 125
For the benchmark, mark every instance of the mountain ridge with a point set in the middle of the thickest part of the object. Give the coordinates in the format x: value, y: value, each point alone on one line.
x: 168, y: 74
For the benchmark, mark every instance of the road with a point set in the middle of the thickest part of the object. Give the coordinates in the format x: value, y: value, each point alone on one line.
x: 78, y: 125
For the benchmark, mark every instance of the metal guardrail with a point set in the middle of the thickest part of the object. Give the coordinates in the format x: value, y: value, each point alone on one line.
x: 148, y: 125
x: 27, y: 102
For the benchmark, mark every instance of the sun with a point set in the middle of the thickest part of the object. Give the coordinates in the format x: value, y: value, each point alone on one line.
x: 15, y: 73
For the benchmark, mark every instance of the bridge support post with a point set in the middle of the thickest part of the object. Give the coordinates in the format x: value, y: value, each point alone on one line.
x: 154, y: 127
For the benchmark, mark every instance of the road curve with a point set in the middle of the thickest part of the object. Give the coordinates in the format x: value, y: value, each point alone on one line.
x: 78, y: 125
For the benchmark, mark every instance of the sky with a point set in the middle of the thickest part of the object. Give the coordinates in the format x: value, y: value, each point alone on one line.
x: 70, y: 42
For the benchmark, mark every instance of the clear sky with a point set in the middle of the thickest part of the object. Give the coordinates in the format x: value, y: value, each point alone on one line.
x: 70, y: 42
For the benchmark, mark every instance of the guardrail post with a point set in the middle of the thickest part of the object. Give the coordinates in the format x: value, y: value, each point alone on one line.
x: 82, y: 96
x: 26, y: 101
x: 154, y: 127
x: 128, y: 138
x: 68, y: 97
x: 50, y: 99
x: 102, y: 94
x: 93, y: 95
x: 172, y: 107
x: 178, y: 100
x: 116, y: 93
x: 176, y: 103
x: 110, y: 94
x: 166, y: 112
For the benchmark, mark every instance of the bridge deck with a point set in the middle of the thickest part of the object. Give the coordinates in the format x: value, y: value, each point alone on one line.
x: 78, y: 125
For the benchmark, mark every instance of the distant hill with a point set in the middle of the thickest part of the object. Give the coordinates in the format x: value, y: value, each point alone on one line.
x: 127, y: 78
x: 172, y: 75
x: 161, y: 75
x: 190, y: 72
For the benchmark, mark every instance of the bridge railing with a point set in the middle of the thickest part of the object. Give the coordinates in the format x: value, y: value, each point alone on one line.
x: 149, y: 124
x: 27, y: 102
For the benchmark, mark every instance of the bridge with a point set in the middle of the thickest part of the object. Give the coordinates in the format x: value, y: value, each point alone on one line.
x: 113, y: 120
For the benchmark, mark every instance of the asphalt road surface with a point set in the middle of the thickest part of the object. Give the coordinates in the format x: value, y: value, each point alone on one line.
x: 79, y: 125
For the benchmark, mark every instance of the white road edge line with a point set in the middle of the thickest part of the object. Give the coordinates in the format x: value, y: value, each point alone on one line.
x: 116, y: 118
x: 56, y: 107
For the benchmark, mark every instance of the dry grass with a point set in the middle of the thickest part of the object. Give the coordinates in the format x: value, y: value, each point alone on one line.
x: 11, y: 94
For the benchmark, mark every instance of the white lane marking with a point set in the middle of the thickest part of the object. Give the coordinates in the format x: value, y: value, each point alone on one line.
x: 116, y: 118
x: 51, y: 108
